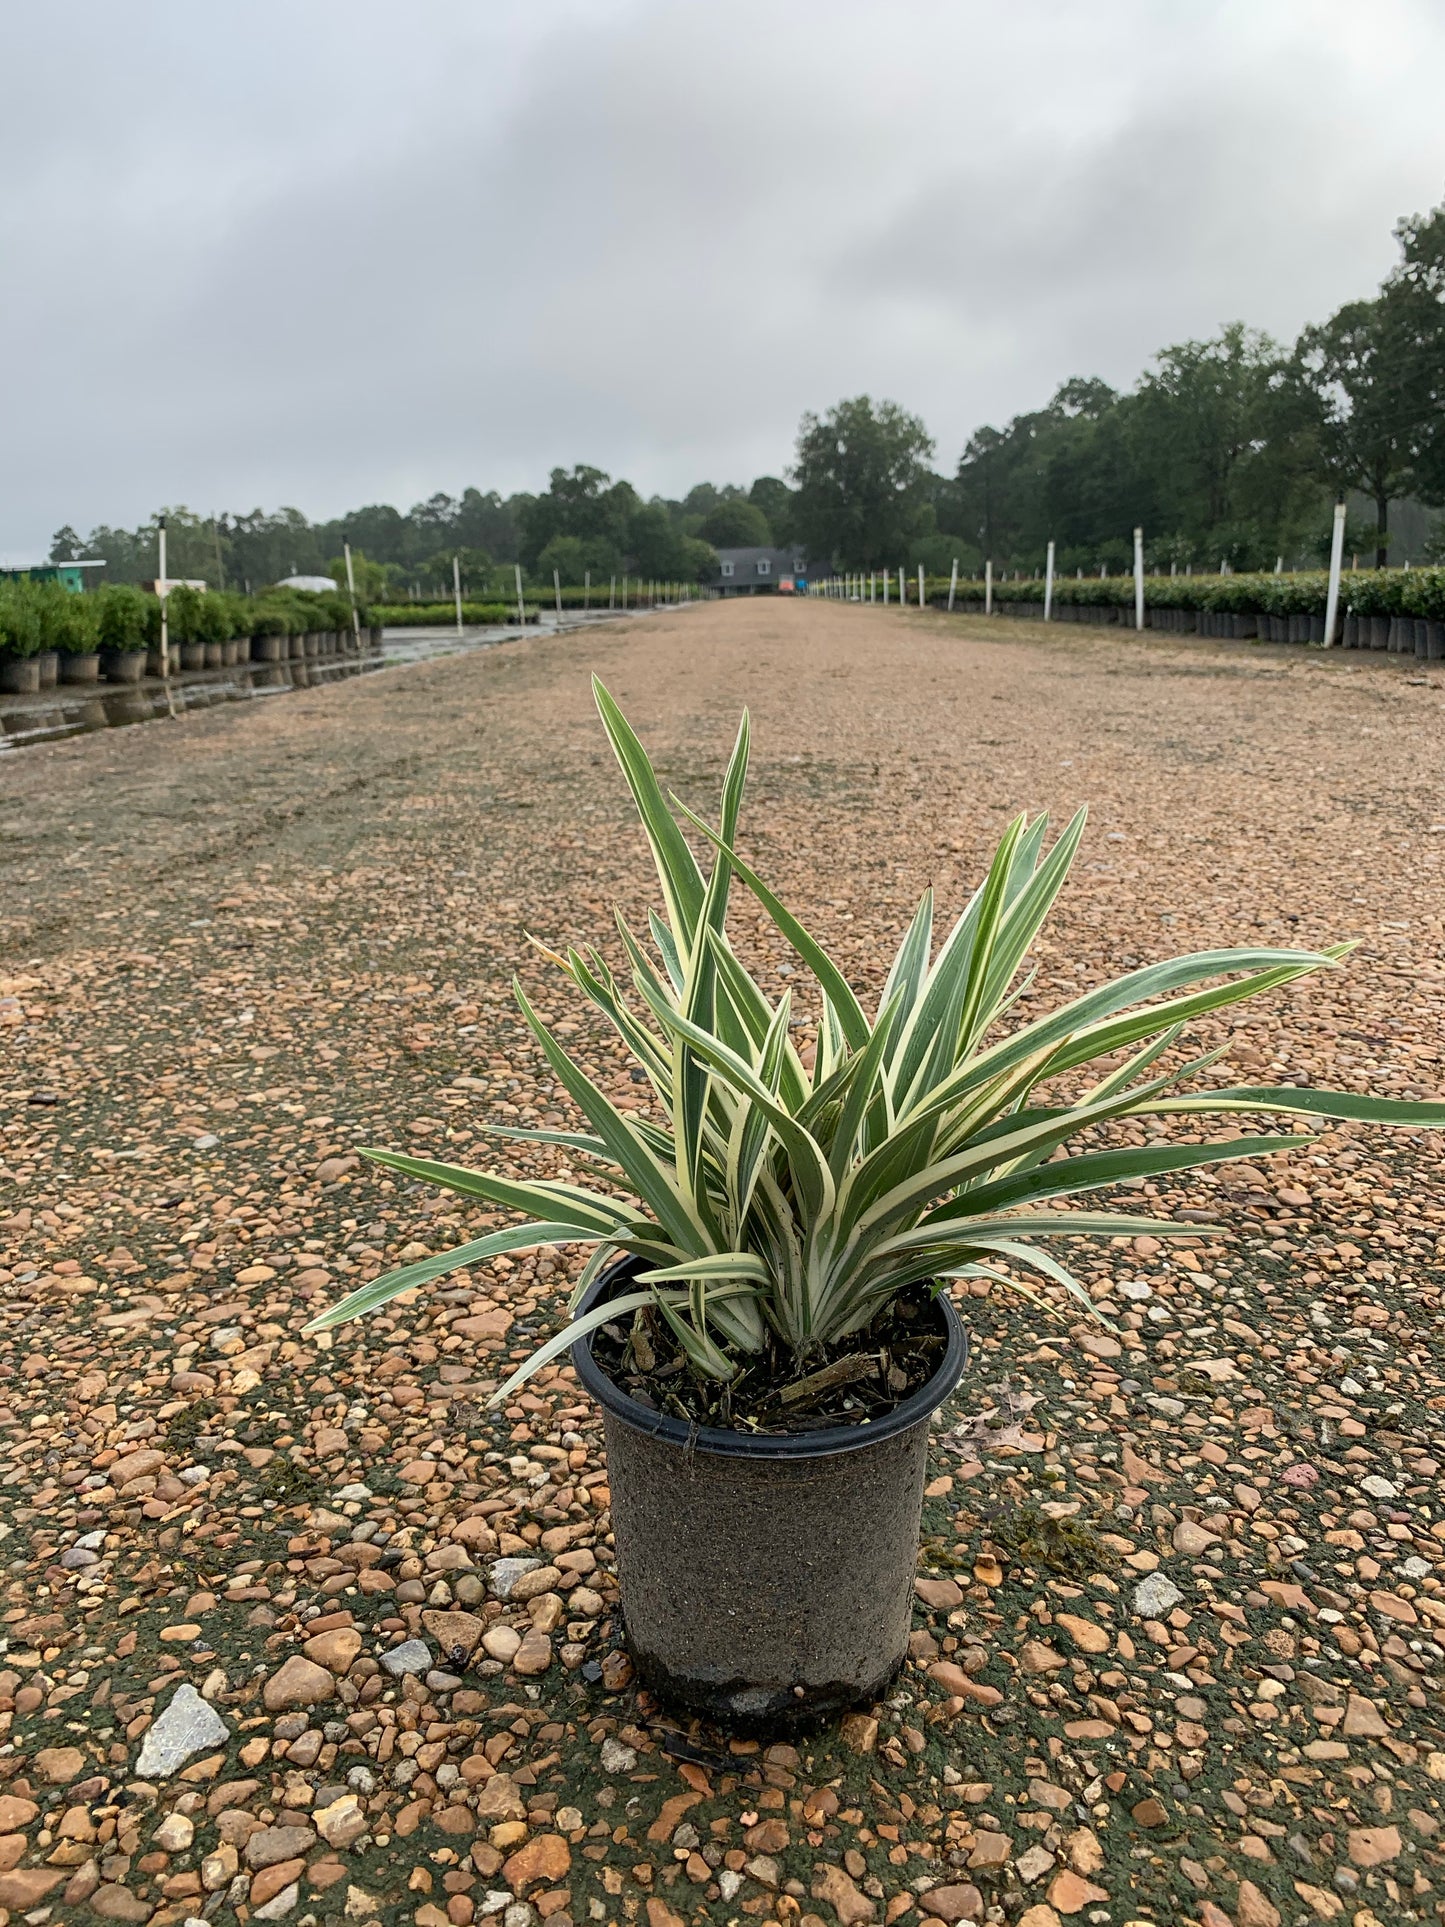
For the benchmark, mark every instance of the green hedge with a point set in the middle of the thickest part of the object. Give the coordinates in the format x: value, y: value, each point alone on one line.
x: 443, y: 615
x: 1363, y: 592
x: 431, y: 615
x: 36, y: 616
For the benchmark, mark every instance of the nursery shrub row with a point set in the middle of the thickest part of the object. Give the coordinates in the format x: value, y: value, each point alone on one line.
x: 51, y: 634
x: 1402, y: 610
x: 443, y: 615
x: 430, y: 615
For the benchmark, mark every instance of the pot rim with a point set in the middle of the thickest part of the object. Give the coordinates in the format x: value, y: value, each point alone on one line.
x: 827, y: 1442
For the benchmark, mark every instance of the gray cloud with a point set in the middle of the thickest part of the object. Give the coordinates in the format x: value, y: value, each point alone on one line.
x: 330, y: 253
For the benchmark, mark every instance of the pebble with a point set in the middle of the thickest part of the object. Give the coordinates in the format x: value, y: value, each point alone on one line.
x: 1155, y: 1596
x: 505, y: 1573
x: 251, y: 1501
x: 300, y: 1682
x: 412, y: 1656
x: 189, y: 1725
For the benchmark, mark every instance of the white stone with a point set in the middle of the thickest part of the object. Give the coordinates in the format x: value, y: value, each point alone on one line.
x: 188, y: 1726
x: 279, y: 1905
x: 506, y: 1572
x: 617, y: 1758
x: 174, y: 1834
x: 413, y: 1656
x: 1377, y: 1487
x: 1155, y: 1596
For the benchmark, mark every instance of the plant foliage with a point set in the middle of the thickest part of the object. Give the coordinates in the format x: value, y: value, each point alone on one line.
x: 921, y: 1143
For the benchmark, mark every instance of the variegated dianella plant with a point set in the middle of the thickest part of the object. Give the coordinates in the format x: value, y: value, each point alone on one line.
x: 929, y: 1140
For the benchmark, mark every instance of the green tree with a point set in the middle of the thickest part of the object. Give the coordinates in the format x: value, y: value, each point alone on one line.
x: 1357, y: 369
x: 1416, y: 290
x: 371, y: 577
x: 736, y: 524
x: 775, y: 501
x: 862, y: 475
x: 654, y: 547
x: 583, y: 502
x: 1218, y: 430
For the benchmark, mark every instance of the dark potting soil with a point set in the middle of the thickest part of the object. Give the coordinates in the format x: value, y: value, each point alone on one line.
x: 856, y: 1382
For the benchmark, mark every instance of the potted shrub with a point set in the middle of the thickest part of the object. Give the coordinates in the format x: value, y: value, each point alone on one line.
x: 213, y: 626
x: 19, y: 640
x: 50, y: 600
x: 764, y: 1316
x: 185, y: 624
x: 123, y: 615
x: 270, y: 633
x: 67, y: 634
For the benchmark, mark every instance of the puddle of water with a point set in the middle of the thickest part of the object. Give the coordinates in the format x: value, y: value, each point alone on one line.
x: 76, y: 710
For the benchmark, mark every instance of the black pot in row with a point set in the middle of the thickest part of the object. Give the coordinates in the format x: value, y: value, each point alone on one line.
x: 1400, y: 635
x: 28, y: 675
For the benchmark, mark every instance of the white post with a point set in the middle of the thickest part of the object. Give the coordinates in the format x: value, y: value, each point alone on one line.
x: 162, y: 586
x: 902, y: 591
x: 953, y: 585
x: 988, y: 587
x: 1138, y: 578
x: 886, y: 580
x: 351, y: 590
x: 557, y: 592
x: 922, y: 598
x: 587, y: 589
x: 521, y: 604
x: 1049, y: 585
x: 1337, y: 556
x: 1279, y: 565
x: 624, y: 594
x: 457, y: 588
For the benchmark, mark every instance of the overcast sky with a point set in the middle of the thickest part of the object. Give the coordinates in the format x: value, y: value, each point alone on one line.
x: 337, y: 251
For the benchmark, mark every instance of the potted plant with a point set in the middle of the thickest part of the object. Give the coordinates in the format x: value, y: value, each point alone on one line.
x: 19, y: 640
x: 67, y: 633
x: 122, y: 621
x: 213, y: 625
x: 269, y: 634
x: 764, y: 1316
x: 185, y: 623
x: 50, y: 600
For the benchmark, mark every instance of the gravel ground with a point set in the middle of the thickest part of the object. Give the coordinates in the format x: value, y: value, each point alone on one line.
x: 1180, y: 1606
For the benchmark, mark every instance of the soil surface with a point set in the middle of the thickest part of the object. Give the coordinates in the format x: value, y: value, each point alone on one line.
x: 294, y: 1630
x: 855, y: 1382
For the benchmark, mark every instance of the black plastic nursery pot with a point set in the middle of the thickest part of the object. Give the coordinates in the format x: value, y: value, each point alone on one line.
x: 122, y: 665
x: 19, y: 675
x: 766, y: 1580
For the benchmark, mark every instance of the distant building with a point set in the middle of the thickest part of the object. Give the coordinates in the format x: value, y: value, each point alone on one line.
x: 760, y: 571
x: 70, y: 574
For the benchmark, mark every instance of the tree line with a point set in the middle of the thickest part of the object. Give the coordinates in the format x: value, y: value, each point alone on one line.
x: 584, y: 523
x: 1227, y: 450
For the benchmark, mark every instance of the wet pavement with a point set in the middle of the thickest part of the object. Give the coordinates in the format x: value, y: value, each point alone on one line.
x: 77, y: 709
